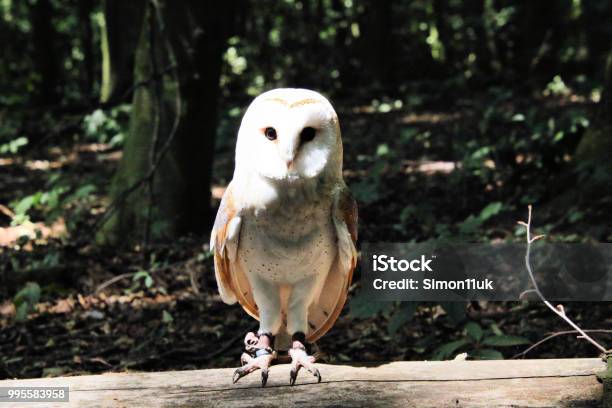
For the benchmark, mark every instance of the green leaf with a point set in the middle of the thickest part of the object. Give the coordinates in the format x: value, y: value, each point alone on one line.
x: 490, y: 210
x: 470, y: 225
x: 495, y: 329
x: 13, y: 146
x: 21, y: 313
x: 82, y: 192
x: 474, y: 331
x: 446, y: 350
x: 167, y: 317
x: 505, y: 341
x: 382, y: 149
x: 30, y: 294
x: 140, y: 275
x: 486, y: 354
x: 403, y: 315
x: 24, y: 205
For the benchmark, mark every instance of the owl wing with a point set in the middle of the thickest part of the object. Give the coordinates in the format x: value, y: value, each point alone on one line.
x: 224, y: 240
x: 232, y: 282
x: 326, y: 308
x: 344, y: 215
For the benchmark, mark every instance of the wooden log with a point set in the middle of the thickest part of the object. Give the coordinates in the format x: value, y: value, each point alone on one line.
x: 531, y: 383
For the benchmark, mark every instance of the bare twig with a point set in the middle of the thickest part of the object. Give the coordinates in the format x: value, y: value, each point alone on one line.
x: 559, y: 310
x: 115, y: 279
x: 6, y: 211
x: 523, y: 353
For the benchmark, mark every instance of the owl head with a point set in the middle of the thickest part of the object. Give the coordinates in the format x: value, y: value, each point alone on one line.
x: 290, y: 134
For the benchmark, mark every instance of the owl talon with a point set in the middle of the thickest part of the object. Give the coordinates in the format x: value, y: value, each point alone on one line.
x: 238, y: 374
x: 300, y: 358
x: 264, y: 377
x: 293, y: 376
x: 317, y: 374
x: 258, y: 355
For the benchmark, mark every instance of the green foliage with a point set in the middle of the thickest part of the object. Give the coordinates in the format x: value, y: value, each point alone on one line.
x: 142, y: 277
x: 556, y: 87
x: 470, y: 226
x: 448, y: 349
x: 25, y: 300
x: 108, y: 126
x: 479, y: 343
x: 167, y: 317
x: 51, y: 203
x: 474, y: 331
x: 14, y: 145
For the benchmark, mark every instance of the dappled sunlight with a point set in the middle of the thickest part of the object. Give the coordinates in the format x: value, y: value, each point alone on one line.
x: 429, y: 167
x: 429, y: 118
x: 32, y: 231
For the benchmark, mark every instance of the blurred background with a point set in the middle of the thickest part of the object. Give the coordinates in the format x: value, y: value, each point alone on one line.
x: 118, y: 121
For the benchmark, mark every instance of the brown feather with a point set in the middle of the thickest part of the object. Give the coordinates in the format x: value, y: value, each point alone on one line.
x: 227, y: 211
x: 324, y: 312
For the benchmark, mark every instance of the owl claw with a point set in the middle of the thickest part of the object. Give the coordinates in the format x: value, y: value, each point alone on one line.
x: 238, y: 374
x: 293, y: 376
x: 317, y: 374
x: 258, y: 355
x: 299, y: 359
x: 264, y: 377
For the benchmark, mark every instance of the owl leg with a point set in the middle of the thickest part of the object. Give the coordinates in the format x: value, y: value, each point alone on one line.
x: 259, y: 352
x: 297, y: 324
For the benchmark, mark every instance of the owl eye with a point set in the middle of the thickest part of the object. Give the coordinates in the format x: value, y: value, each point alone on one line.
x: 307, y: 134
x: 270, y: 133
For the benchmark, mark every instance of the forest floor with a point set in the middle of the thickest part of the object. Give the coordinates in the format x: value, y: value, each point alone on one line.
x: 417, y: 172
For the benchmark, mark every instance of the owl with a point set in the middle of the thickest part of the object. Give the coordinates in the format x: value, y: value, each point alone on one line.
x: 285, y: 232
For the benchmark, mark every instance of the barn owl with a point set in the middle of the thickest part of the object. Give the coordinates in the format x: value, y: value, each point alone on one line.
x: 284, y: 236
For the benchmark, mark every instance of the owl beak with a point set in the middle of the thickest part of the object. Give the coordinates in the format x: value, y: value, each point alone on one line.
x: 289, y: 150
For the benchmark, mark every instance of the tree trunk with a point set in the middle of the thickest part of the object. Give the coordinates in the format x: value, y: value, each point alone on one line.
x: 177, y: 201
x: 85, y: 8
x: 44, y: 38
x: 596, y: 144
x: 377, y: 41
x: 120, y: 32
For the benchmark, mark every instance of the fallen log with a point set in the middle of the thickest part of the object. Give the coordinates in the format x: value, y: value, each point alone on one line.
x: 530, y: 383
